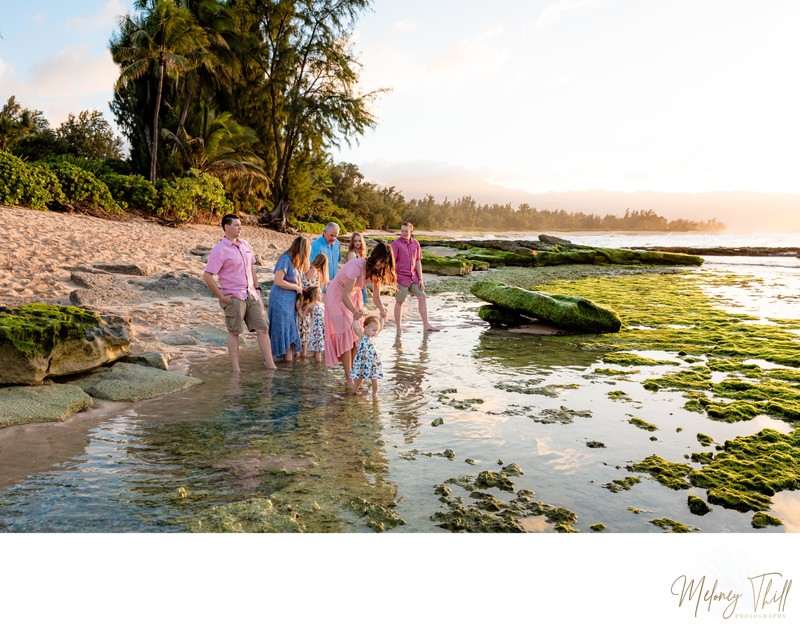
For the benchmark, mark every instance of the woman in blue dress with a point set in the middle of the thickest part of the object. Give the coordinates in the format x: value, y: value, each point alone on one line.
x: 281, y: 311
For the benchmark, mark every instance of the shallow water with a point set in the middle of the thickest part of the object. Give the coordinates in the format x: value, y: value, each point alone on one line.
x: 295, y: 436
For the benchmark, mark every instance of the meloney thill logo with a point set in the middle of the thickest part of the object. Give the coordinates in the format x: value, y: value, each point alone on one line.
x: 764, y: 597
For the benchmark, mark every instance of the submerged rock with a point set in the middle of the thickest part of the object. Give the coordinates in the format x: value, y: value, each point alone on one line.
x: 256, y: 514
x: 130, y: 382
x: 571, y: 313
x: 41, y: 404
x: 40, y: 340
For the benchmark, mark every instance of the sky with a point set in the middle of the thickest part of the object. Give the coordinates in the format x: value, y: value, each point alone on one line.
x: 537, y: 95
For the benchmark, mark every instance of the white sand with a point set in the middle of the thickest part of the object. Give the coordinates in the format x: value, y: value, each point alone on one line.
x: 41, y: 247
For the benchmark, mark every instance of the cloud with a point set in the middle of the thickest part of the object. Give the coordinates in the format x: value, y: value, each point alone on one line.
x: 404, y: 26
x: 104, y: 19
x: 553, y: 12
x: 469, y: 59
x: 71, y: 81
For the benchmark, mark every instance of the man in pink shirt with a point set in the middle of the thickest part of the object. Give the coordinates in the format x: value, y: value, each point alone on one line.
x: 238, y: 292
x: 408, y: 264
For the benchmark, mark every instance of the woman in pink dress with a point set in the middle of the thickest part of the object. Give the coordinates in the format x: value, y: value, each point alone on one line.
x: 343, y: 304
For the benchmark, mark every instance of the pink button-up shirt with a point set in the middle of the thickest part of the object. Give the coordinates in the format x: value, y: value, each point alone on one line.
x: 232, y: 262
x: 406, y: 255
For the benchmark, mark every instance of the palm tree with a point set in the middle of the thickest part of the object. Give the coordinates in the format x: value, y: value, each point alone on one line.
x: 222, y: 148
x: 163, y: 42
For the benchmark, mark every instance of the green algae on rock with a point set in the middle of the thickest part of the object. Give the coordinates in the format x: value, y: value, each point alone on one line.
x: 489, y: 514
x: 613, y: 256
x: 597, y: 527
x: 642, y: 424
x: 632, y: 359
x: 764, y: 520
x: 615, y: 486
x: 256, y: 514
x: 671, y: 474
x: 36, y: 328
x: 379, y: 518
x: 704, y: 439
x: 445, y: 266
x: 748, y: 470
x: 670, y: 525
x: 40, y: 340
x: 697, y: 506
x: 571, y: 313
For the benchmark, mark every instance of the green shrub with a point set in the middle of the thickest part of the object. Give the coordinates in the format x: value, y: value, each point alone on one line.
x: 133, y: 191
x: 82, y: 188
x: 45, y: 189
x: 25, y: 184
x: 187, y: 198
x: 309, y: 226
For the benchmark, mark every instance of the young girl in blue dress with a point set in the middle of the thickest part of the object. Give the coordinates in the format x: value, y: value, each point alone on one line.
x: 367, y: 362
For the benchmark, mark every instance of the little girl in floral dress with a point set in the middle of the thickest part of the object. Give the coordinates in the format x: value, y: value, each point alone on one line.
x: 367, y: 363
x: 311, y: 316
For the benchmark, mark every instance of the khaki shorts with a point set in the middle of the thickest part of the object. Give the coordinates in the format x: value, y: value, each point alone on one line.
x: 239, y: 312
x: 403, y: 291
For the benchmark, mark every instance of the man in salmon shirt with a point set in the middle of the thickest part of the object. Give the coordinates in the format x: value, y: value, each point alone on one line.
x: 238, y: 292
x: 408, y: 264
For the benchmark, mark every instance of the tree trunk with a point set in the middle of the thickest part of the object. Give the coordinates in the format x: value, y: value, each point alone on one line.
x: 278, y: 219
x: 154, y: 148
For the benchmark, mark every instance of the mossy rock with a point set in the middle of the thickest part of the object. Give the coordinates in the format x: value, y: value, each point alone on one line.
x: 36, y: 328
x: 445, y: 266
x: 20, y: 405
x: 764, y: 520
x: 697, y: 506
x: 749, y: 470
x: 612, y: 256
x: 571, y: 313
x: 40, y: 340
x: 497, y: 316
x: 132, y: 382
x: 256, y: 514
x: 670, y: 474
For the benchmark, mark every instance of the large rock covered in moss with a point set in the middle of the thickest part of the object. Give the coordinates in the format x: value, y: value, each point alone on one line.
x: 39, y: 340
x: 570, y: 313
x: 445, y: 266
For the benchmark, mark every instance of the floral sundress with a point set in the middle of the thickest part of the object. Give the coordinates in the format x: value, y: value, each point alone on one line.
x: 367, y: 363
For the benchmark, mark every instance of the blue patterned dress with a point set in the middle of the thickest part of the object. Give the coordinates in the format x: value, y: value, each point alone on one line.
x: 367, y: 363
x: 281, y: 311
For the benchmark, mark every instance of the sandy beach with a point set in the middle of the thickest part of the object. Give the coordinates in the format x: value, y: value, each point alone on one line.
x: 44, y: 249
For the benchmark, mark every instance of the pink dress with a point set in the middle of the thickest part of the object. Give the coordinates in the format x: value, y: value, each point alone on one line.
x: 339, y: 334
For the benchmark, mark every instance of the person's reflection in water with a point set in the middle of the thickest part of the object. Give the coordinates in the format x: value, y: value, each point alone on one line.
x: 409, y: 375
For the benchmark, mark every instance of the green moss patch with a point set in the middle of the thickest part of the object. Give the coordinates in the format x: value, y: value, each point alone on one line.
x: 670, y: 474
x: 632, y: 359
x: 748, y: 470
x: 483, y: 512
x: 697, y: 506
x: 670, y: 525
x: 764, y: 520
x: 36, y: 328
x: 642, y: 424
x: 615, y: 486
x: 673, y: 313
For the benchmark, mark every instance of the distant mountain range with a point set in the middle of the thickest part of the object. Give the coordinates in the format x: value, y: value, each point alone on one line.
x: 740, y: 211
